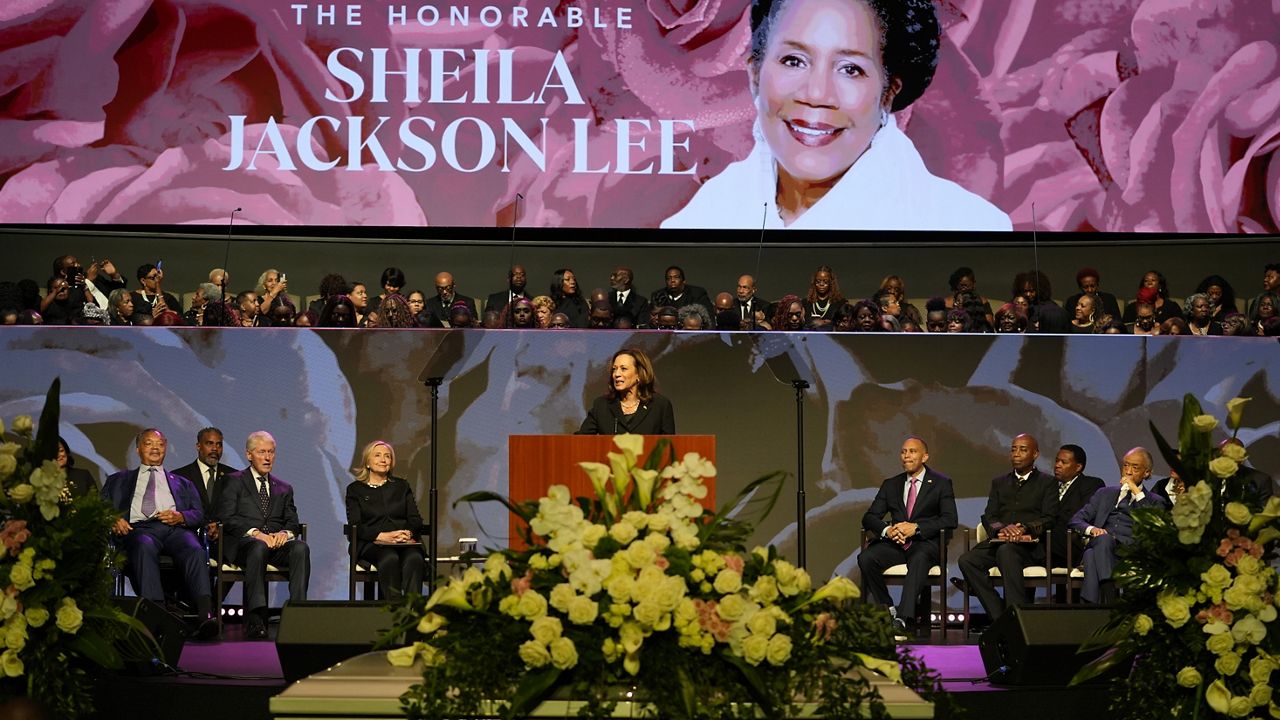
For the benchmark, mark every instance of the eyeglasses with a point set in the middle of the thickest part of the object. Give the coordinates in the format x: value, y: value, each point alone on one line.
x: 152, y: 276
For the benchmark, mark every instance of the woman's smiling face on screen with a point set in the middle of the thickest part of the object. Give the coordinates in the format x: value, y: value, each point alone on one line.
x: 821, y: 86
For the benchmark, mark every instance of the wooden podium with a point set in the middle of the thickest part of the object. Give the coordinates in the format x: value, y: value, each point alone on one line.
x: 537, y: 462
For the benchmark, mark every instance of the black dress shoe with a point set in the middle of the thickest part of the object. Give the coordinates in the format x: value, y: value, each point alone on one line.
x: 208, y: 628
x: 902, y: 631
x: 256, y: 630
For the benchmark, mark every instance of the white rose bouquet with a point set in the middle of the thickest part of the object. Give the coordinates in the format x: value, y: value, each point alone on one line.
x: 640, y: 593
x: 1200, y: 588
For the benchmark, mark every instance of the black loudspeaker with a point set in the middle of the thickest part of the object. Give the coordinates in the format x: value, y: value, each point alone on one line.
x: 1036, y: 644
x: 314, y: 635
x: 168, y: 629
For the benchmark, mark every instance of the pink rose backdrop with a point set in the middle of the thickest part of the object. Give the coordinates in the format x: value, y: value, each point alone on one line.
x: 1108, y: 115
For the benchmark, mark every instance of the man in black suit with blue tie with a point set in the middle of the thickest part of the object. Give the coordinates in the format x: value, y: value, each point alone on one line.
x: 260, y: 527
x: 1106, y: 521
x: 160, y: 513
x: 920, y: 502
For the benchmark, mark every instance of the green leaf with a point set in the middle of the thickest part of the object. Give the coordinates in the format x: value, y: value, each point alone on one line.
x: 45, y: 446
x: 655, y: 460
x: 688, y: 698
x: 1107, y: 661
x: 756, y: 501
x: 1109, y: 634
x: 98, y: 650
x: 755, y: 685
x: 534, y: 686
x: 525, y: 511
x: 1168, y: 453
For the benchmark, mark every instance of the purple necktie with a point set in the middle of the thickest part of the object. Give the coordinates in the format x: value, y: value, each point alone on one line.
x: 911, y: 504
x: 149, y: 495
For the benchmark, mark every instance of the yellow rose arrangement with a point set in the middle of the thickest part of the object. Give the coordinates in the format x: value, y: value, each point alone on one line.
x: 641, y: 588
x: 1200, y: 589
x: 56, y: 616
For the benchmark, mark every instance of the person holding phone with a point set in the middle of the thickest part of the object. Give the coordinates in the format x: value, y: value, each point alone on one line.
x: 273, y: 291
x: 150, y: 300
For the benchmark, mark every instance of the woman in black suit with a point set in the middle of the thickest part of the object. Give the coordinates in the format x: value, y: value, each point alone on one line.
x: 79, y: 482
x: 630, y: 405
x: 387, y: 521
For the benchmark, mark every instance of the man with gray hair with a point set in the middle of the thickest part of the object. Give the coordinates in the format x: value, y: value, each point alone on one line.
x: 1106, y: 523
x: 208, y: 308
x: 260, y: 527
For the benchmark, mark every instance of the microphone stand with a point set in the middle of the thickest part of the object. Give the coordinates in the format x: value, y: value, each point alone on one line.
x: 433, y: 531
x: 800, y: 386
x: 225, y: 259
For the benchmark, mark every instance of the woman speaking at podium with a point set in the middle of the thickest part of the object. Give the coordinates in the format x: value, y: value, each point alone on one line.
x: 630, y: 405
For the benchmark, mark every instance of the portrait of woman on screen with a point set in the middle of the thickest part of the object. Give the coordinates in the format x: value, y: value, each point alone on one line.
x: 827, y: 76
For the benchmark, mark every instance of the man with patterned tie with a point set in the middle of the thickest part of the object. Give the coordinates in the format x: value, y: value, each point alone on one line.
x: 919, y: 502
x: 1106, y: 521
x: 160, y: 514
x: 260, y: 527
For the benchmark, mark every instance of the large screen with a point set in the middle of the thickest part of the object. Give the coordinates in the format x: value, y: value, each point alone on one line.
x: 1077, y: 115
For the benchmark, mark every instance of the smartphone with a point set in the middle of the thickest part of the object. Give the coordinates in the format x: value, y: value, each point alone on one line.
x: 284, y: 278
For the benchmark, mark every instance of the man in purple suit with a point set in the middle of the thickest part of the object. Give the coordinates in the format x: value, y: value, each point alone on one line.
x: 160, y: 514
x: 919, y: 502
x: 260, y: 527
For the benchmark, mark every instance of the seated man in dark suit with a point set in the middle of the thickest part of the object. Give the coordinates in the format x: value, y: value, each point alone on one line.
x: 1107, y: 522
x: 438, y: 306
x: 160, y: 513
x: 677, y: 293
x: 1074, y: 490
x: 260, y: 527
x: 624, y: 299
x: 206, y: 472
x: 920, y: 502
x: 516, y: 280
x: 1259, y: 485
x: 1022, y: 505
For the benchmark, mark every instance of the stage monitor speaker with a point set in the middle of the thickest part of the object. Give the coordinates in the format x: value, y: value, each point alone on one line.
x: 1036, y: 644
x: 168, y: 629
x: 314, y: 635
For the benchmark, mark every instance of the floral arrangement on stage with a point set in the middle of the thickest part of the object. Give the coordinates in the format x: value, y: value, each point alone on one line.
x: 57, y: 620
x: 639, y: 593
x: 1197, y: 617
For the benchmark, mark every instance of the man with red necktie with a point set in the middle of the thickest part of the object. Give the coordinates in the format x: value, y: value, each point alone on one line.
x: 919, y: 502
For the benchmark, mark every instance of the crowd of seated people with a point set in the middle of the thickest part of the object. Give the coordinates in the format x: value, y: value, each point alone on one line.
x: 100, y: 295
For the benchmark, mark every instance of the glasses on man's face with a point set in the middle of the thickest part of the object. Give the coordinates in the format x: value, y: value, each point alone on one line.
x: 153, y: 277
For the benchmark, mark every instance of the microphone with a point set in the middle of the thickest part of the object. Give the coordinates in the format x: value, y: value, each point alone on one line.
x: 515, y: 222
x: 764, y: 220
x: 226, y: 258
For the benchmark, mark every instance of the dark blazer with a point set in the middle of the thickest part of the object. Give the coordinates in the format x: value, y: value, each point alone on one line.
x: 236, y: 505
x: 636, y: 306
x: 655, y: 417
x: 1169, y: 309
x: 1035, y: 504
x: 119, y: 489
x: 382, y: 509
x: 498, y: 301
x: 81, y: 483
x: 935, y: 507
x: 207, y: 495
x: 755, y: 304
x: 440, y: 313
x: 692, y: 294
x: 142, y: 306
x: 575, y: 308
x: 1082, y: 488
x: 1101, y: 512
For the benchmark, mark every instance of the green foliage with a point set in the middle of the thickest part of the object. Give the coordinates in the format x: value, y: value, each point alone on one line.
x: 56, y: 577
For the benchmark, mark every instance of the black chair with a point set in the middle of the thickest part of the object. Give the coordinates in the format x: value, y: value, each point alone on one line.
x: 896, y: 575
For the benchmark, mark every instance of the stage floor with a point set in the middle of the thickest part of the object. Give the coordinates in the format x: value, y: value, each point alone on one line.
x: 235, y: 678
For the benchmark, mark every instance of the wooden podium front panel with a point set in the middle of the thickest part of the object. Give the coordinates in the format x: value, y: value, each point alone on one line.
x: 536, y: 462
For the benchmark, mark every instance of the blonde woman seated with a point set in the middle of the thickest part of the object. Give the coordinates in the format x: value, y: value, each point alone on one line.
x: 385, y: 513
